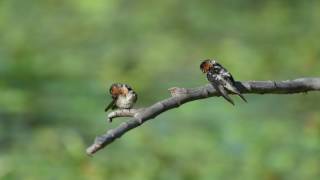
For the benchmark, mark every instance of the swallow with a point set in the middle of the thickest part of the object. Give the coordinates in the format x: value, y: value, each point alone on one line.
x: 221, y: 79
x: 123, y: 97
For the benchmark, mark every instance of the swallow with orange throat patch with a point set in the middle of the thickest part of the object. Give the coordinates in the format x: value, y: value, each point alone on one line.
x: 221, y: 79
x: 123, y: 97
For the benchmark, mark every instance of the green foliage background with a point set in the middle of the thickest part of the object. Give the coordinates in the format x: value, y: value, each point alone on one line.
x: 58, y: 58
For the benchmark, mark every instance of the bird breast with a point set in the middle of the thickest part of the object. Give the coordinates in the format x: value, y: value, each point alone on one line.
x: 126, y: 101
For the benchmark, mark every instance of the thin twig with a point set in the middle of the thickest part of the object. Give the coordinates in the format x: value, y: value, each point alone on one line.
x: 122, y: 113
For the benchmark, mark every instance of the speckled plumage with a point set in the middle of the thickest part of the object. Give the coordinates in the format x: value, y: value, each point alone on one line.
x: 123, y: 97
x: 220, y: 78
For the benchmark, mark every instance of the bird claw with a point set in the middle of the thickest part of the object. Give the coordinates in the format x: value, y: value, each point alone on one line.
x: 109, y: 120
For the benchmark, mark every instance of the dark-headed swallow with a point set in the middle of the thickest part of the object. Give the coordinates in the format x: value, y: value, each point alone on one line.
x: 220, y: 78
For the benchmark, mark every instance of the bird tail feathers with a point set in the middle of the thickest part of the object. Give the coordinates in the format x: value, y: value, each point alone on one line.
x: 111, y: 104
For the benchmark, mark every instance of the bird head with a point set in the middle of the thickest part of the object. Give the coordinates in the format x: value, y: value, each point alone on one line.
x: 206, y: 65
x: 117, y: 89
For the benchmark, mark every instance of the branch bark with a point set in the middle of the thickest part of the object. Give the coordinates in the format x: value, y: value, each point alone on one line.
x: 184, y: 95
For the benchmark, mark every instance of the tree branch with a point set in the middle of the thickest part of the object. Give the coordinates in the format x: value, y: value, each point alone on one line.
x: 184, y: 95
x: 123, y: 113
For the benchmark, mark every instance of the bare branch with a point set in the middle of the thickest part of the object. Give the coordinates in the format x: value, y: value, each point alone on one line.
x: 184, y: 95
x: 122, y: 113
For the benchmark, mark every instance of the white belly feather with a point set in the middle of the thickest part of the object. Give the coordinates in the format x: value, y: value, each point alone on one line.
x: 126, y: 102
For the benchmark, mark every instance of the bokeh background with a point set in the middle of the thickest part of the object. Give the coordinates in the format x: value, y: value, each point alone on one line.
x: 59, y: 57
